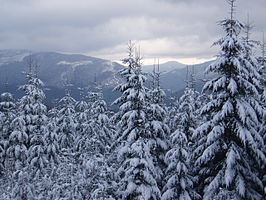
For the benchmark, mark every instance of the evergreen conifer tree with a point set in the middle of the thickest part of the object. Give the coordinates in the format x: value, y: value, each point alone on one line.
x: 136, y: 174
x: 23, y: 124
x: 156, y: 113
x: 101, y: 141
x: 103, y: 130
x: 52, y: 149
x: 83, y: 129
x: 66, y: 123
x: 67, y: 178
x: 229, y: 151
x: 7, y: 114
x: 26, y: 149
x: 179, y: 176
x: 262, y: 70
x: 37, y: 157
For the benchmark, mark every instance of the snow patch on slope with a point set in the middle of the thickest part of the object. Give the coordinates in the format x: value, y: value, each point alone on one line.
x: 75, y: 64
x: 10, y: 56
x: 109, y: 67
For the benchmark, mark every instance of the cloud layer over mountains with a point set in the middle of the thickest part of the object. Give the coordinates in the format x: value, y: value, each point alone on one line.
x: 164, y: 28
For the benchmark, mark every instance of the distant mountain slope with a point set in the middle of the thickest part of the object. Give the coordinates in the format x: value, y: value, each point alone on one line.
x: 57, y: 69
x: 8, y: 56
x: 165, y: 67
x: 175, y: 79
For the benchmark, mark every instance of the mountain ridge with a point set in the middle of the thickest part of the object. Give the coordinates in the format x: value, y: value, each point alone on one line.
x: 59, y: 69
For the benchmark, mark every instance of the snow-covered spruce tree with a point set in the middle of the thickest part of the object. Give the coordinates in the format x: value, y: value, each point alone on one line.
x: 68, y: 182
x: 49, y: 180
x: 7, y: 114
x: 187, y: 108
x: 101, y: 140
x: 66, y: 122
x: 88, y: 135
x: 34, y: 113
x: 262, y: 130
x: 178, y: 175
x: 13, y: 149
x: 262, y: 70
x: 103, y: 130
x: 190, y: 102
x: 51, y: 139
x: 136, y: 174
x: 259, y: 81
x: 91, y: 145
x: 231, y: 153
x: 197, y: 99
x: 180, y: 180
x: 17, y: 151
x: 17, y: 163
x: 37, y: 157
x: 26, y: 105
x: 24, y: 159
x: 254, y: 64
x: 102, y: 185
x: 171, y: 118
x: 83, y: 150
x: 2, y: 149
x: 22, y: 188
x: 23, y: 124
x: 156, y: 113
x: 82, y: 126
x: 69, y: 172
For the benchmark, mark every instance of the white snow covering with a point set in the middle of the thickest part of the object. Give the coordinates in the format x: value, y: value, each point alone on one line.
x: 109, y: 67
x: 75, y: 64
x: 9, y: 56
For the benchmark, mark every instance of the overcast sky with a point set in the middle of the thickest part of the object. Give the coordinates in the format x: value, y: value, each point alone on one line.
x: 181, y: 30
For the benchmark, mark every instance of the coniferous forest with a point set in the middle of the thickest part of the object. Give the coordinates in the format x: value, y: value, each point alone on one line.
x: 207, y: 145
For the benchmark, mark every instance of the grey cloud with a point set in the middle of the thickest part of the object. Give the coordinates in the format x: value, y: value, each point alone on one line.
x: 170, y: 28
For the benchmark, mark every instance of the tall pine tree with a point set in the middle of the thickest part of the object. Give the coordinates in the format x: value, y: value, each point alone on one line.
x: 156, y: 113
x: 231, y: 154
x: 180, y: 180
x: 7, y: 114
x: 66, y: 123
x: 136, y: 174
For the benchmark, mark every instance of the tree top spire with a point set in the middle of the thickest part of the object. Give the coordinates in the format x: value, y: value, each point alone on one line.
x: 232, y: 8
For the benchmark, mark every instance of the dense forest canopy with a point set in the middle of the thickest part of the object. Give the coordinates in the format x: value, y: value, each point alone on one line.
x: 207, y: 145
